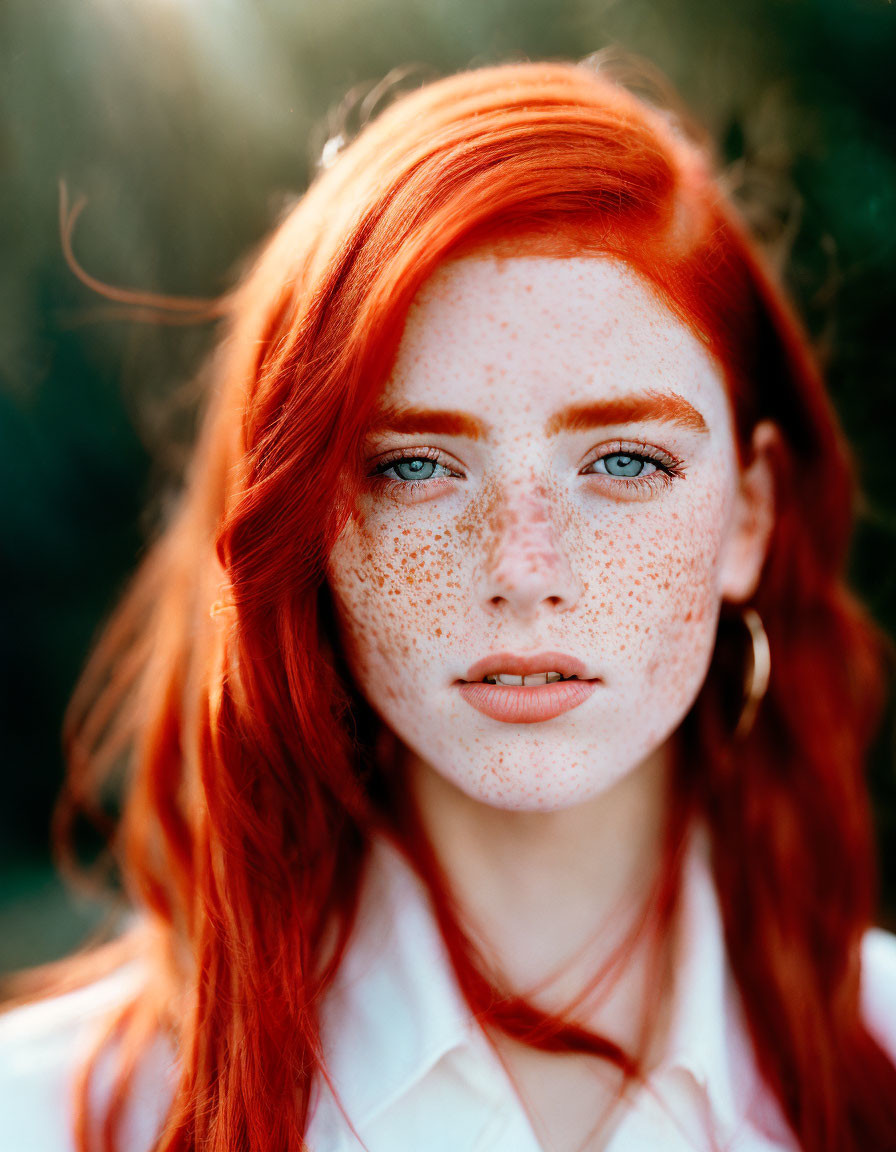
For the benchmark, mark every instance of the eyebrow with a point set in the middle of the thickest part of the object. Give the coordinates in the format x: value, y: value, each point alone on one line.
x: 638, y: 406
x: 420, y: 420
x: 666, y: 406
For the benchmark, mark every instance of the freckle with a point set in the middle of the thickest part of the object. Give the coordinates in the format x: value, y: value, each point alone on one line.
x: 438, y: 631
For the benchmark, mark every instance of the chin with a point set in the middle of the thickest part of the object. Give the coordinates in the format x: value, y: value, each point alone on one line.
x: 540, y: 788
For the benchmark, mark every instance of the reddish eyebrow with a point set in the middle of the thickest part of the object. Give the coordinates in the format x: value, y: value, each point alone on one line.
x: 422, y: 420
x: 667, y: 406
x: 640, y: 406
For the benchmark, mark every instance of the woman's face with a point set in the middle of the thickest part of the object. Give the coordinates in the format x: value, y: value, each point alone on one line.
x: 552, y: 473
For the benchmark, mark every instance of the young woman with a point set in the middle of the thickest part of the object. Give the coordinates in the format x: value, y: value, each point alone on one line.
x: 492, y: 712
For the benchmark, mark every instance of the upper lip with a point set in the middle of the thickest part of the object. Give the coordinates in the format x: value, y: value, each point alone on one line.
x: 522, y: 664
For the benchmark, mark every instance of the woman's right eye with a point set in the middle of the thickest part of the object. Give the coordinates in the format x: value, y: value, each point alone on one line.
x: 411, y: 473
x: 411, y: 468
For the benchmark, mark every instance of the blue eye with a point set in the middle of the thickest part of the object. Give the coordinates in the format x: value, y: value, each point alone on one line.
x: 415, y: 468
x: 624, y: 464
x: 407, y: 472
x: 636, y: 473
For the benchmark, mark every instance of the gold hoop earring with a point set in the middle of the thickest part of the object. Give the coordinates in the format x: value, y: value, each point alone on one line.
x: 756, y: 680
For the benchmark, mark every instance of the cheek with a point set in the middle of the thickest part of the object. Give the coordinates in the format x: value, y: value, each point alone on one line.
x: 399, y: 595
x: 658, y: 601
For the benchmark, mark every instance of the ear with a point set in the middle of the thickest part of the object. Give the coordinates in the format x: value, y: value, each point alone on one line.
x: 752, y: 518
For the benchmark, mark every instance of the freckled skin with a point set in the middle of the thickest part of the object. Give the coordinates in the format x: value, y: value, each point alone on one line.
x: 515, y: 542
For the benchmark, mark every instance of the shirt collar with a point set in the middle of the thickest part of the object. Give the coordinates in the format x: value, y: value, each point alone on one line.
x: 707, y: 1035
x: 395, y: 1008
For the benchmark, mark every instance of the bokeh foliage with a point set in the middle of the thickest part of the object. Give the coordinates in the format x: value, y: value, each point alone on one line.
x: 189, y: 124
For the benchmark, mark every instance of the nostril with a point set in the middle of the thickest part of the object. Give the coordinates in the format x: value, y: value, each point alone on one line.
x: 544, y: 586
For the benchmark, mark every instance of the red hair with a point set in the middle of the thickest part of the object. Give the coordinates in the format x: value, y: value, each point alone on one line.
x: 252, y: 786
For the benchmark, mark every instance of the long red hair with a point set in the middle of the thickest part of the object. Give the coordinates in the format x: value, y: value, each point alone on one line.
x: 251, y: 785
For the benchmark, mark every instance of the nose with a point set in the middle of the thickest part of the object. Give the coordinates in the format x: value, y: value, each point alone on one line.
x: 526, y: 563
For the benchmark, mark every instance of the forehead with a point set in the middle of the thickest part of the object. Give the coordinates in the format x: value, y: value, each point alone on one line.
x: 487, y: 331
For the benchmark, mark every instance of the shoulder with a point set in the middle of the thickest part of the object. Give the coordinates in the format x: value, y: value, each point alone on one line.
x: 879, y: 987
x: 42, y: 1045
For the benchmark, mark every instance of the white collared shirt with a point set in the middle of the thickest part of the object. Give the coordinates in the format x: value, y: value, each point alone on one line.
x: 412, y: 1069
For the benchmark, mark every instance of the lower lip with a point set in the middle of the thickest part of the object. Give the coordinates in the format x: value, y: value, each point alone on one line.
x: 522, y: 705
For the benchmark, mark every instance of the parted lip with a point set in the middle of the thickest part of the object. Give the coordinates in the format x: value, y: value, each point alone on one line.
x: 523, y: 664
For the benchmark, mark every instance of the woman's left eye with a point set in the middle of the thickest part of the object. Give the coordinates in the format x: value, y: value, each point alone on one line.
x: 625, y: 464
x: 636, y: 470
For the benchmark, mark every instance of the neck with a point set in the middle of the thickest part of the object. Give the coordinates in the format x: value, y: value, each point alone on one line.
x: 548, y: 896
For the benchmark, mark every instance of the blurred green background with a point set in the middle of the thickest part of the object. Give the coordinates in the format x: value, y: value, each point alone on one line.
x: 188, y: 124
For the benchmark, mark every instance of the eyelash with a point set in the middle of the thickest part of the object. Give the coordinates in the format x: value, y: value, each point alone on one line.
x: 393, y: 485
x: 668, y: 469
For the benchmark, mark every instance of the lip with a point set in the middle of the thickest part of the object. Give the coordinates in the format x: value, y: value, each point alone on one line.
x: 521, y: 705
x: 514, y: 704
x: 520, y: 664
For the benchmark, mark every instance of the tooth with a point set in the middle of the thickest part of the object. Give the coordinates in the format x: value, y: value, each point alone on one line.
x: 520, y: 681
